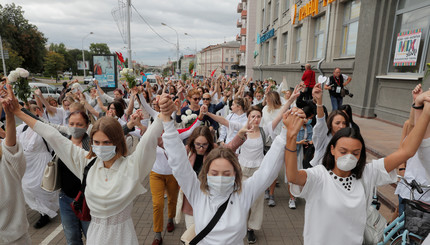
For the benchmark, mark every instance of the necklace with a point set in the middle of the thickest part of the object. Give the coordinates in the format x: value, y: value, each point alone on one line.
x: 106, y: 173
x: 345, y: 181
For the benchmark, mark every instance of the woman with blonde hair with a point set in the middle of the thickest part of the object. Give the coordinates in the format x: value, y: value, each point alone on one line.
x: 219, y: 183
x: 114, y: 181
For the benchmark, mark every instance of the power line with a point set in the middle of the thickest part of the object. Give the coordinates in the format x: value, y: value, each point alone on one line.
x: 151, y: 27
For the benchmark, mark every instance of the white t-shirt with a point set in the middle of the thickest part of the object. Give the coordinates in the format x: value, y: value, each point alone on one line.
x: 333, y: 214
x: 58, y: 118
x: 251, y: 151
x: 320, y: 140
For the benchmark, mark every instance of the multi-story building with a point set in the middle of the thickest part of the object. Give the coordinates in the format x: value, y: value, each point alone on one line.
x: 219, y: 57
x: 383, y: 45
x: 185, y: 63
x: 247, y: 35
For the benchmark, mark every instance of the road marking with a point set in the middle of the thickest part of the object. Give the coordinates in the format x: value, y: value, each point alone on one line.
x: 53, y: 234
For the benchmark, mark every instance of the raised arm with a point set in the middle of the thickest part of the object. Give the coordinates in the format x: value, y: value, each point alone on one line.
x: 285, y: 107
x: 48, y: 107
x: 410, y: 145
x: 293, y: 122
x: 219, y: 119
x: 317, y: 94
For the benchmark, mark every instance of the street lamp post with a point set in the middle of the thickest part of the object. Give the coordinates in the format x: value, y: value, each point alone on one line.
x: 177, y: 49
x: 83, y: 54
x: 195, y: 50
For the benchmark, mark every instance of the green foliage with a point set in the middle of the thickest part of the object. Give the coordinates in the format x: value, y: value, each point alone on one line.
x: 22, y: 37
x: 22, y: 89
x: 184, y: 77
x: 99, y: 48
x: 54, y: 62
x: 14, y: 60
x: 191, y: 67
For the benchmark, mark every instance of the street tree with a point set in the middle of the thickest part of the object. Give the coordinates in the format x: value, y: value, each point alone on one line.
x: 22, y: 37
x: 54, y: 63
x: 99, y: 48
x: 191, y: 67
x: 14, y: 59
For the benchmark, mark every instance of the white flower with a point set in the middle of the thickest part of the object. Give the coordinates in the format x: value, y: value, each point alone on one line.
x: 193, y: 116
x: 189, y: 117
x: 22, y: 72
x: 185, y: 121
x: 130, y: 70
x: 188, y: 112
x: 122, y: 73
x: 13, y: 76
x: 183, y: 117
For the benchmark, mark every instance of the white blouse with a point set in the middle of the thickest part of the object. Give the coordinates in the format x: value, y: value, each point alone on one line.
x: 124, y: 178
x: 320, y: 140
x: 333, y: 214
x: 231, y: 228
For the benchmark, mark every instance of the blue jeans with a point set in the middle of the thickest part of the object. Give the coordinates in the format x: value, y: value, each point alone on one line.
x: 72, y: 226
x: 336, y: 102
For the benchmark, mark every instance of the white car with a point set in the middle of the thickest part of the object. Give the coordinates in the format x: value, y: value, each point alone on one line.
x: 46, y: 89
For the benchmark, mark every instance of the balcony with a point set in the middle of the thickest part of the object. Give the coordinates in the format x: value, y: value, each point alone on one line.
x: 239, y: 7
x: 238, y: 38
x: 243, y: 15
x: 239, y: 24
x: 243, y: 31
x: 242, y: 48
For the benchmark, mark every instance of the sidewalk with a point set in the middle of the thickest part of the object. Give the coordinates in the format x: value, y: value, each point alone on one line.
x: 281, y: 225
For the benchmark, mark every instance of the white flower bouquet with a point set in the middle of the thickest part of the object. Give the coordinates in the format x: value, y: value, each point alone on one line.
x: 18, y: 79
x: 189, y: 118
x: 129, y: 76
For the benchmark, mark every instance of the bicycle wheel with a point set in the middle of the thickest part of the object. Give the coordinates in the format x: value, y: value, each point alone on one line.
x: 412, y: 240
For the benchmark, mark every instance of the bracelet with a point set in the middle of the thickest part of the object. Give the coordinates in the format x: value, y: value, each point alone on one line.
x: 289, y: 149
x: 319, y: 105
x: 402, y: 169
x: 418, y: 107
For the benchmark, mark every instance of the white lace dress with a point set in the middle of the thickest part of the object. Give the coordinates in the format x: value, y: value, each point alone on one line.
x: 117, y: 229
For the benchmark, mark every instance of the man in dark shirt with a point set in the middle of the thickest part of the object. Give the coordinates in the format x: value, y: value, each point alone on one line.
x: 334, y: 85
x: 309, y: 80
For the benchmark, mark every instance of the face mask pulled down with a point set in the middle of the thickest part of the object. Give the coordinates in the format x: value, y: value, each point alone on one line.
x: 104, y: 152
x: 346, y: 162
x: 221, y: 185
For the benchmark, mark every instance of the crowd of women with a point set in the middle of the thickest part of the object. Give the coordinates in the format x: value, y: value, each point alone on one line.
x: 213, y: 147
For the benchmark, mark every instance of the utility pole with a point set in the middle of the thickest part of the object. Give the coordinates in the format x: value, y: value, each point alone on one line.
x: 128, y: 34
x: 2, y: 57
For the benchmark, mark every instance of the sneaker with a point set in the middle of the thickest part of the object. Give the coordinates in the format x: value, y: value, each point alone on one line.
x: 271, y: 201
x: 251, y: 237
x: 170, y: 227
x: 44, y: 220
x: 292, y: 203
x: 266, y: 194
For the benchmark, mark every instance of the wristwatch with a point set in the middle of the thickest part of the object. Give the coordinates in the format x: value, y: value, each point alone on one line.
x: 418, y: 107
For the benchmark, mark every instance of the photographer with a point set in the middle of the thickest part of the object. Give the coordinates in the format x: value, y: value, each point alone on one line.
x: 335, y: 85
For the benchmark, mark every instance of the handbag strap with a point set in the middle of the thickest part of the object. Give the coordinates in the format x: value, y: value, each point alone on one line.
x: 211, y: 224
x: 84, y: 178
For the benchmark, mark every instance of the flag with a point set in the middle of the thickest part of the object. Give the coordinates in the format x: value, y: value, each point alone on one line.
x: 191, y: 72
x: 195, y: 74
x: 120, y: 57
x: 213, y: 72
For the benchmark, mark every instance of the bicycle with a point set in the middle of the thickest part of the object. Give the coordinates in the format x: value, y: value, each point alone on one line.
x: 397, y: 229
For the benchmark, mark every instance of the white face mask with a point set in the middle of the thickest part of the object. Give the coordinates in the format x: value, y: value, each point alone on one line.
x: 76, y: 132
x: 346, y: 162
x: 221, y: 185
x: 104, y: 152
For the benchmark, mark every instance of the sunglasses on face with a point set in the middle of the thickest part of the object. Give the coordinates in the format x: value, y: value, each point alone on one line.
x: 196, y: 99
x: 197, y: 145
x: 206, y: 98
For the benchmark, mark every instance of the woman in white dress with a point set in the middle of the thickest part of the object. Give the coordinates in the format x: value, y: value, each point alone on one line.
x: 338, y: 192
x: 114, y: 181
x: 37, y: 155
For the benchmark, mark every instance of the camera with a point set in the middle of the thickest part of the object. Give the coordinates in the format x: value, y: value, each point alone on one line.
x: 348, y: 93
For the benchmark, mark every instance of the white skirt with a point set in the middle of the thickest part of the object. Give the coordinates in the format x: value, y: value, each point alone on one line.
x: 117, y: 229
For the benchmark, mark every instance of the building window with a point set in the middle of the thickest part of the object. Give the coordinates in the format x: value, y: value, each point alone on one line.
x: 274, y: 50
x: 285, y: 46
x: 298, y: 42
x: 263, y: 20
x: 226, y: 68
x: 409, y: 46
x: 350, y: 27
x: 268, y: 17
x: 276, y: 10
x: 266, y: 53
x: 319, y: 37
x: 231, y: 59
x: 287, y: 5
x: 226, y: 59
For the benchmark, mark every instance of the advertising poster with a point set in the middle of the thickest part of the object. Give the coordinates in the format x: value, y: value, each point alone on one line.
x: 81, y: 65
x: 104, y: 70
x: 407, y: 48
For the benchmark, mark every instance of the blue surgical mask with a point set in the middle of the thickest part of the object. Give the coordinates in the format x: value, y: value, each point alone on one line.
x: 104, y: 152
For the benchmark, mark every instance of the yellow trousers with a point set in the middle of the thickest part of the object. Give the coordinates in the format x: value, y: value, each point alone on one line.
x: 159, y: 184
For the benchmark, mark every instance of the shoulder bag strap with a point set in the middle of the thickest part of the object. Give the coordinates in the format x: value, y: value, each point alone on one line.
x: 84, y: 178
x: 211, y: 224
x: 263, y: 136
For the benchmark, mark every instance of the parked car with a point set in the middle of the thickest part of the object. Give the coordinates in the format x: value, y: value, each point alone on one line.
x: 88, y: 79
x: 151, y: 78
x: 67, y: 73
x: 46, y: 89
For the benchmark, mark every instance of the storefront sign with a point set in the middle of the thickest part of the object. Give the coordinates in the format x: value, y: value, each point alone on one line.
x: 407, y: 47
x: 325, y: 2
x: 265, y: 36
x: 311, y: 8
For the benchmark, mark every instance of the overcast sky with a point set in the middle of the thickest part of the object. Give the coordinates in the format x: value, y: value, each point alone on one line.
x: 68, y: 21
